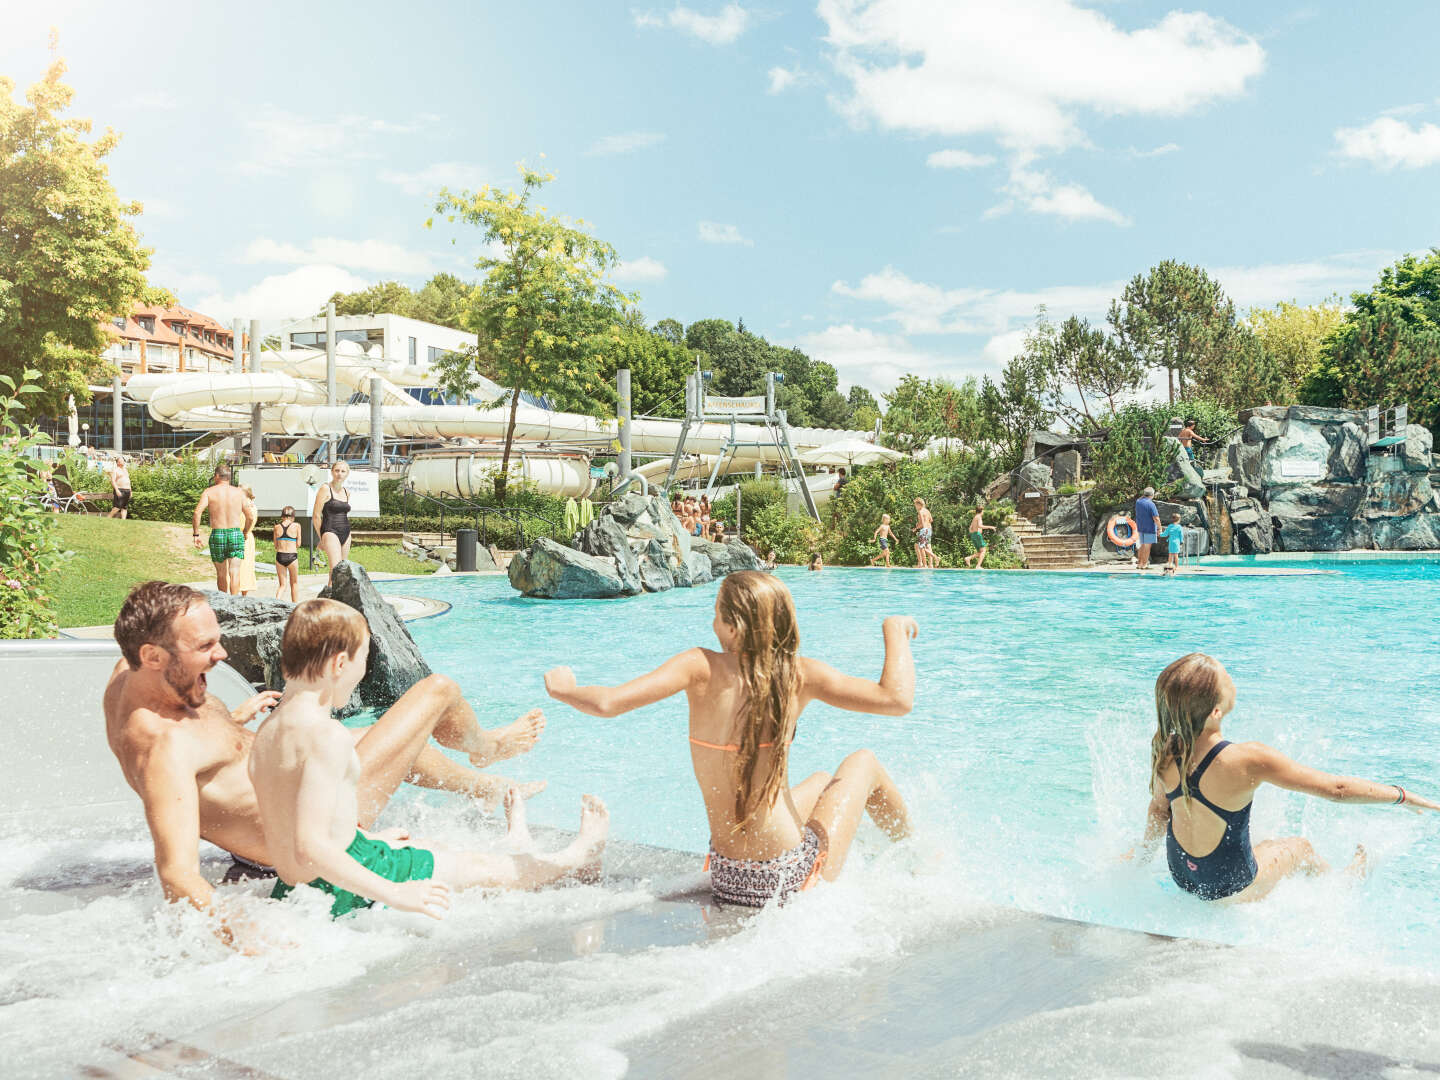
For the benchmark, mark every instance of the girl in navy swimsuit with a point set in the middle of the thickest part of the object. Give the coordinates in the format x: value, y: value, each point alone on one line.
x: 1204, y: 813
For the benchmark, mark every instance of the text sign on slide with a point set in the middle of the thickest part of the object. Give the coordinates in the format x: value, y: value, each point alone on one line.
x: 734, y: 406
x: 1302, y: 470
x: 277, y: 487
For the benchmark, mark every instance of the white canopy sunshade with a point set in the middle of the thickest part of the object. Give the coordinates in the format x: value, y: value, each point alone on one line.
x: 850, y: 452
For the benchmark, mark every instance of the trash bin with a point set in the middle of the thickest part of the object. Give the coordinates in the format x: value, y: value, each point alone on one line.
x: 465, y: 541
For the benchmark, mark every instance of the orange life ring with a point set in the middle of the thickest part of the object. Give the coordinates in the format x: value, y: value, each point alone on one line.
x: 1129, y: 523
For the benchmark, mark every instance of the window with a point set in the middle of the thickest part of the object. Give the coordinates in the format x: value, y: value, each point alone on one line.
x: 147, y: 323
x: 433, y: 354
x: 412, y: 351
x: 307, y: 339
x: 119, y: 323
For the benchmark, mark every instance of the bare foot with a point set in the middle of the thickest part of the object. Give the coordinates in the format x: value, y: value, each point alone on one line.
x: 517, y: 834
x: 511, y: 740
x: 589, y: 845
x: 1359, y: 867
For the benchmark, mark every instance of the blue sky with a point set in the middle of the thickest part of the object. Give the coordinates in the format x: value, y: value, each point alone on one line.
x: 892, y: 185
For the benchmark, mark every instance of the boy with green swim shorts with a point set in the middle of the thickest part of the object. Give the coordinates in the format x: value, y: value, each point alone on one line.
x: 977, y: 536
x: 305, y: 772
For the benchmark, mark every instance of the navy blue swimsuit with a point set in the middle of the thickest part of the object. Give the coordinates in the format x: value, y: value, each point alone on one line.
x: 1231, y: 866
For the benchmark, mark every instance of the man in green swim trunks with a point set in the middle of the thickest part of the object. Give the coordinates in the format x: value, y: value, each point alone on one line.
x: 231, y: 518
x: 977, y: 536
x: 306, y: 776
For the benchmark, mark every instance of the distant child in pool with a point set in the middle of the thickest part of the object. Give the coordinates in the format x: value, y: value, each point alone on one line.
x: 767, y: 839
x: 883, y: 536
x: 306, y: 773
x: 1203, y: 786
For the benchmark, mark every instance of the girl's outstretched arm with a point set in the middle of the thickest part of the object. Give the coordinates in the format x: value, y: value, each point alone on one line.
x: 1157, y: 818
x: 676, y: 674
x: 893, y: 695
x: 1268, y: 765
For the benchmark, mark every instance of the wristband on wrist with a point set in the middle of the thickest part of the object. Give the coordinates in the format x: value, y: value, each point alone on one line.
x: 1401, y: 797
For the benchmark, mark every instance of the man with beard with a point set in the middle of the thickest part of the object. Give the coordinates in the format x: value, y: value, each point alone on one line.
x: 187, y: 756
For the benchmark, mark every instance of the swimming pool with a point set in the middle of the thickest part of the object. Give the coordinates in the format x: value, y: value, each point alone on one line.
x: 1024, y: 762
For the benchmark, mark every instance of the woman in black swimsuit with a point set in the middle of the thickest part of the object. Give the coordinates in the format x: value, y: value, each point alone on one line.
x: 287, y: 569
x: 332, y: 511
x: 1206, y: 808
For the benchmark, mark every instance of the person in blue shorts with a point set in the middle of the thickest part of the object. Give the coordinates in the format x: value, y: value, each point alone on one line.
x: 1147, y: 523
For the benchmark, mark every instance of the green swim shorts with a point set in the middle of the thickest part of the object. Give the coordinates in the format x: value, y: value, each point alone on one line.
x: 393, y: 864
x: 227, y: 544
x: 978, y: 539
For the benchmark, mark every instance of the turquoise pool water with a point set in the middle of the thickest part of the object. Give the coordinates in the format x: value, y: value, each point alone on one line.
x: 1025, y: 759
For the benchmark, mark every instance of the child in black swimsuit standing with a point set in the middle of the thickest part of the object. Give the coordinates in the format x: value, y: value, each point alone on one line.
x: 287, y: 569
x: 1206, y: 807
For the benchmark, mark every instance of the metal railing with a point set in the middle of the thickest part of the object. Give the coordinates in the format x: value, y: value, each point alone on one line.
x: 492, y: 523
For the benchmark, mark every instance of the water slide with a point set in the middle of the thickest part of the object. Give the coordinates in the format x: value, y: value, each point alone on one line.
x: 291, y: 396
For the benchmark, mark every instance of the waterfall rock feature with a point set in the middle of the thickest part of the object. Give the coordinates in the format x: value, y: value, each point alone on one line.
x: 395, y: 663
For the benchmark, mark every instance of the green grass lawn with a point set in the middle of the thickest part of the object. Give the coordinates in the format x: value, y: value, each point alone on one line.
x: 111, y: 557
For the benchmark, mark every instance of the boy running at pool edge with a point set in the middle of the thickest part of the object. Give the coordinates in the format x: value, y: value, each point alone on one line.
x: 883, y: 535
x: 305, y: 773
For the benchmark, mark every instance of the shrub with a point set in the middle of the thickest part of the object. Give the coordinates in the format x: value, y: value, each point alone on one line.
x: 29, y: 550
x: 773, y: 528
x: 755, y: 496
x: 1135, y: 456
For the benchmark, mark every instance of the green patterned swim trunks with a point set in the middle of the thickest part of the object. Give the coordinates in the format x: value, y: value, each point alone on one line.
x: 393, y: 864
x: 227, y: 544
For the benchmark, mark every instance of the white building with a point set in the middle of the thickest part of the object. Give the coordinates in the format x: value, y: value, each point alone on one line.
x: 390, y: 337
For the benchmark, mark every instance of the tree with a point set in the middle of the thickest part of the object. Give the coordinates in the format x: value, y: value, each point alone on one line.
x: 69, y: 259
x: 1015, y: 407
x: 670, y: 330
x: 1295, y: 337
x: 543, y: 313
x: 441, y: 301
x: 658, y: 368
x: 734, y: 356
x: 387, y: 297
x: 919, y: 410
x: 1175, y: 317
x: 1386, y: 349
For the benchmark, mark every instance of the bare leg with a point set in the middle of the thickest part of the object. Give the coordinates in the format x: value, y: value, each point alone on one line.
x: 232, y: 574
x: 294, y: 569
x: 530, y: 870
x: 389, y: 749
x: 861, y: 785
x: 330, y: 545
x: 512, y: 740
x: 805, y: 794
x: 434, y: 770
x: 281, y: 577
x: 1276, y: 860
x: 222, y: 577
x: 981, y: 560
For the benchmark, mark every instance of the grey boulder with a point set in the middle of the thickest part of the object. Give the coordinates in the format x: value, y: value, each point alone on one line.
x: 250, y: 631
x: 655, y: 572
x: 395, y: 663
x: 557, y: 572
x: 728, y: 557
x: 605, y: 539
x: 1415, y: 450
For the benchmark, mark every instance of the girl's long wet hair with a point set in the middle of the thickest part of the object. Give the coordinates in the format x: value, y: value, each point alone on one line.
x: 767, y: 650
x: 1186, y: 693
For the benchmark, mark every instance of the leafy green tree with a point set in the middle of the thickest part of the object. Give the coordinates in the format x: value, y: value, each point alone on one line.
x: 1295, y: 336
x: 1014, y: 407
x: 441, y: 301
x: 387, y: 297
x: 670, y: 330
x: 69, y: 258
x: 658, y: 368
x: 29, y: 549
x: 1089, y: 373
x: 544, y: 314
x: 1175, y: 317
x: 1250, y: 375
x: 736, y: 357
x: 1387, y: 348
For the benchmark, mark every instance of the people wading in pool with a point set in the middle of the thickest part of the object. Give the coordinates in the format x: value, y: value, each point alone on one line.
x: 186, y: 755
x: 332, y: 510
x: 767, y: 839
x: 1202, y: 787
x: 230, y: 520
x: 287, y: 556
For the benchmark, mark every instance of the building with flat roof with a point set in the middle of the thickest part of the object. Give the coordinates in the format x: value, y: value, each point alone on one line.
x: 393, y: 338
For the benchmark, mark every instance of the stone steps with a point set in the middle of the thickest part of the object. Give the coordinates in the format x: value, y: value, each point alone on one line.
x: 1051, y: 551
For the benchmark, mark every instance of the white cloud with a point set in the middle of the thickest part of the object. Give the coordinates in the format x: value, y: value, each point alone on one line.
x: 639, y: 270
x: 378, y: 256
x: 1023, y: 71
x: 1391, y: 143
x: 455, y: 175
x: 181, y: 281
x: 1304, y: 282
x: 155, y: 100
x: 860, y: 355
x: 296, y: 294
x: 1040, y: 194
x: 712, y: 232
x: 282, y: 141
x: 958, y: 159
x: 1158, y: 151
x: 720, y: 29
x: 780, y: 79
x: 624, y: 144
x: 160, y: 209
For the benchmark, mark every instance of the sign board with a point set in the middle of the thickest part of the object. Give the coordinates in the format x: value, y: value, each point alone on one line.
x: 734, y: 406
x: 1302, y: 470
x: 279, y: 486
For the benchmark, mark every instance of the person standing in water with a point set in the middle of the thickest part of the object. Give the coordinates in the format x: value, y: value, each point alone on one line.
x: 332, y: 510
x: 120, y: 486
x: 287, y: 556
x: 977, y: 536
x: 767, y: 839
x: 1202, y: 787
x: 229, y: 522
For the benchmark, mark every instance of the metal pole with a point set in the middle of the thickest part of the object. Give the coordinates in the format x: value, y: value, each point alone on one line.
x: 377, y: 425
x: 118, y: 412
x: 622, y: 385
x: 769, y: 393
x: 237, y: 364
x: 333, y: 444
